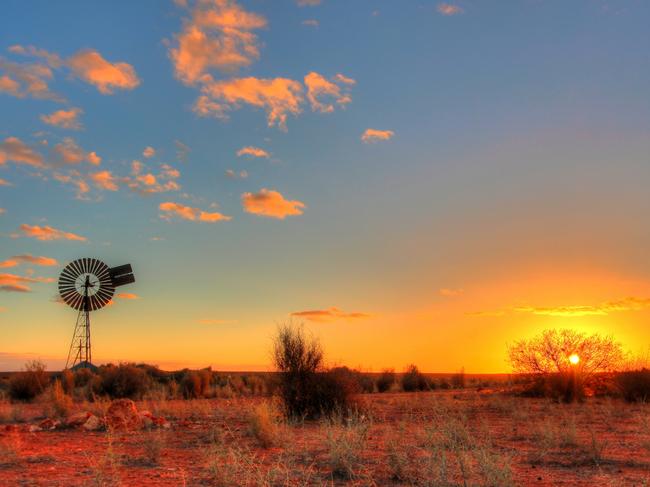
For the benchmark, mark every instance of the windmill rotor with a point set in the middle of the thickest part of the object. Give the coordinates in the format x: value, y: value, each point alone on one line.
x: 86, y: 285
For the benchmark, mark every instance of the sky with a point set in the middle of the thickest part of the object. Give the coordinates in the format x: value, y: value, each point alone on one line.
x: 415, y: 181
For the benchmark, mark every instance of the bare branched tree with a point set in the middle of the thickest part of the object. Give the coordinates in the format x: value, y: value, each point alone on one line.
x: 551, y: 352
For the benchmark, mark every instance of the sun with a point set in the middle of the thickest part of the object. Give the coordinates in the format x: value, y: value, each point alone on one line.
x: 574, y: 359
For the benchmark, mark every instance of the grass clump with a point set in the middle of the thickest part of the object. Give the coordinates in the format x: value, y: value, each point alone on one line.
x: 262, y: 425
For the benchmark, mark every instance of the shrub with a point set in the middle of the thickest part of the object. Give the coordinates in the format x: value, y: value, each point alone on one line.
x: 634, y: 385
x: 306, y: 388
x: 57, y: 402
x: 196, y: 383
x: 386, y: 380
x: 458, y: 379
x: 124, y: 380
x: 261, y: 425
x: 26, y: 385
x: 413, y: 380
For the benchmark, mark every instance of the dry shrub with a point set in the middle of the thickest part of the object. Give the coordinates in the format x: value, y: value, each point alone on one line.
x: 634, y: 385
x: 10, y: 446
x: 345, y: 445
x: 386, y: 380
x: 262, y: 425
x: 413, y: 380
x: 124, y: 381
x: 56, y: 402
x: 26, y: 385
x: 306, y: 388
x: 196, y: 383
x: 152, y: 446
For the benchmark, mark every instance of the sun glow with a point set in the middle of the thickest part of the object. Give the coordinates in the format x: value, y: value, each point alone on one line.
x: 574, y: 359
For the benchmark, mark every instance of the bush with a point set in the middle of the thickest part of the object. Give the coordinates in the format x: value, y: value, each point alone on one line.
x: 413, y: 380
x: 196, y: 383
x: 386, y: 380
x: 307, y: 390
x: 458, y: 379
x: 26, y: 385
x: 124, y: 381
x: 57, y: 402
x: 261, y: 425
x: 634, y: 385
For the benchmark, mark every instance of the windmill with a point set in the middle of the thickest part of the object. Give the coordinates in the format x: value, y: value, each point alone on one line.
x: 87, y: 285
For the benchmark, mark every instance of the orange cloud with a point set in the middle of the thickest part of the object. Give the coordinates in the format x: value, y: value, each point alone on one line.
x: 149, y: 183
x: 48, y: 233
x: 128, y: 296
x: 626, y: 304
x: 278, y: 96
x: 29, y: 259
x: 373, y: 135
x: 253, y: 152
x: 188, y: 213
x: 4, y: 182
x: 13, y: 149
x: 67, y: 119
x: 68, y: 152
x: 26, y: 80
x: 149, y: 152
x: 92, y: 68
x: 270, y: 203
x: 448, y: 9
x: 19, y: 284
x: 104, y: 180
x: 218, y: 35
x: 318, y: 87
x: 328, y: 315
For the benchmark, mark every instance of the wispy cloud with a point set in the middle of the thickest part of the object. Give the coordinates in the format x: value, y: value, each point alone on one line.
x: 329, y: 314
x: 15, y: 150
x: 374, y: 135
x: 270, y: 203
x: 47, y: 233
x: 91, y: 67
x: 127, y: 296
x: 450, y: 292
x: 310, y: 23
x: 319, y: 89
x: 184, y: 212
x: 232, y: 174
x: 148, y: 152
x: 20, y: 284
x: 577, y: 310
x: 16, y: 260
x: 449, y: 9
x: 67, y: 119
x: 308, y: 3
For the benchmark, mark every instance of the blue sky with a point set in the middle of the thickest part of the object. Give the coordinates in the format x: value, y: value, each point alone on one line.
x: 515, y: 150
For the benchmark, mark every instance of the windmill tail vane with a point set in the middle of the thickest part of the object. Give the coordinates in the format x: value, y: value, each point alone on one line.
x: 87, y: 285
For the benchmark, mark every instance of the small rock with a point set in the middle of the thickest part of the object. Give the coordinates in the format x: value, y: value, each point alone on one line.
x: 123, y: 415
x: 48, y: 424
x: 93, y: 423
x: 77, y: 419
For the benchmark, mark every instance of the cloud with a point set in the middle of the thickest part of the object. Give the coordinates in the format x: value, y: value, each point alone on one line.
x: 104, y: 180
x: 148, y: 183
x: 91, y: 67
x: 4, y: 182
x: 26, y: 80
x: 602, y: 309
x: 46, y: 233
x: 271, y: 204
x: 279, y: 97
x: 188, y: 213
x: 328, y: 315
x: 253, y: 152
x: 69, y: 153
x: 310, y: 23
x: 28, y: 259
x: 149, y: 152
x: 20, y: 284
x: 234, y: 175
x: 128, y: 296
x: 450, y: 292
x: 572, y: 311
x: 449, y: 9
x: 67, y: 119
x: 308, y: 3
x: 319, y: 88
x: 216, y: 322
x: 373, y: 135
x: 182, y: 151
x: 217, y: 36
x: 13, y: 149
x: 2, y: 211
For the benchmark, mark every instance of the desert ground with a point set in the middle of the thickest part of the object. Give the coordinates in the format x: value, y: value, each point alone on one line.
x: 437, y: 438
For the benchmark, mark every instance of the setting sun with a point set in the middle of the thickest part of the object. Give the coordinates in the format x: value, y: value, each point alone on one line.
x: 574, y: 359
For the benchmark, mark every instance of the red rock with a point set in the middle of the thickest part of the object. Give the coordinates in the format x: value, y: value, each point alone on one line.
x: 76, y: 420
x: 48, y: 424
x: 123, y: 415
x: 93, y: 423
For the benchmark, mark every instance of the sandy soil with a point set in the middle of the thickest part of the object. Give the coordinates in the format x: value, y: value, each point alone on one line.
x: 437, y: 438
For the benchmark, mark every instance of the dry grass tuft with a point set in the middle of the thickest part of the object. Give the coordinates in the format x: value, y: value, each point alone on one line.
x: 262, y: 425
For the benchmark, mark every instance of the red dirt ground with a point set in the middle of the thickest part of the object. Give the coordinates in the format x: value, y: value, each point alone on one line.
x: 399, y: 439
